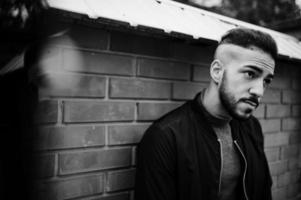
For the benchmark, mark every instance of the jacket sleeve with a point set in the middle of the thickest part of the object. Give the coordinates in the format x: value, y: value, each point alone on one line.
x: 156, y: 165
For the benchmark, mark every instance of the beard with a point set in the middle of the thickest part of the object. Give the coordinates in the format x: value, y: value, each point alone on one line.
x: 230, y: 103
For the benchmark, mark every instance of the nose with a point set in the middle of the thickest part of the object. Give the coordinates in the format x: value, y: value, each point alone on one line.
x: 257, y: 89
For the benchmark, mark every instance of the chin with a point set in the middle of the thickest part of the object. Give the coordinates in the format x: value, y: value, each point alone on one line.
x: 242, y: 115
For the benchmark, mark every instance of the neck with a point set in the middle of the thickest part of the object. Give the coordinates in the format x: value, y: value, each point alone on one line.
x: 211, y: 101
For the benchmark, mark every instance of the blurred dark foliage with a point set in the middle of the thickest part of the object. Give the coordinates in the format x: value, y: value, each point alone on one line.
x: 20, y: 14
x: 259, y: 12
x: 19, y: 21
x: 20, y: 24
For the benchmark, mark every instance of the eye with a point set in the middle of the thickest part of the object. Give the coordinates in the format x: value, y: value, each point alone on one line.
x: 267, y: 81
x: 249, y: 74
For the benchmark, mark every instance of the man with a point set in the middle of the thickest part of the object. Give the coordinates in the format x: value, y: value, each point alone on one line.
x: 211, y: 148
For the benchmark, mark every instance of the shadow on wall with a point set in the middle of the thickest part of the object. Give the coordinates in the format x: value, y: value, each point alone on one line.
x: 23, y: 111
x: 18, y: 100
x: 45, y: 71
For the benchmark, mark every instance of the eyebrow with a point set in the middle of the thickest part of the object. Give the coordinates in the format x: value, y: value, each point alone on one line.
x: 259, y: 70
x: 271, y: 76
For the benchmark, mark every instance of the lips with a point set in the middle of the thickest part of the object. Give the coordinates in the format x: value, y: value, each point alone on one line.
x: 251, y: 102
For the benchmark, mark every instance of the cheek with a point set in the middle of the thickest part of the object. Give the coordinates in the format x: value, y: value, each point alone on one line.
x: 237, y: 85
x: 233, y: 86
x: 236, y: 92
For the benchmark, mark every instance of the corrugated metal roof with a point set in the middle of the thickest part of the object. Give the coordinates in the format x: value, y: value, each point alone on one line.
x: 171, y: 16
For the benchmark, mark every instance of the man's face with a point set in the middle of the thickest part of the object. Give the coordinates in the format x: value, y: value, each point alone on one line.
x: 244, y: 81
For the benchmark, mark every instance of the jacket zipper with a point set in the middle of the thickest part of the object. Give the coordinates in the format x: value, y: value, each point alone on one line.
x: 245, y: 171
x: 222, y: 162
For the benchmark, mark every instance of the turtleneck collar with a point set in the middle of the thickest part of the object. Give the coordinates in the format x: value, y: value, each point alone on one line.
x: 214, y: 120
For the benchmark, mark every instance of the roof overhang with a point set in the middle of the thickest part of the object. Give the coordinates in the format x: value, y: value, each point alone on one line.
x: 172, y: 18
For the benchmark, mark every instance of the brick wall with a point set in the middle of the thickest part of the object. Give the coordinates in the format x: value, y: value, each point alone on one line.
x: 99, y: 90
x: 281, y: 121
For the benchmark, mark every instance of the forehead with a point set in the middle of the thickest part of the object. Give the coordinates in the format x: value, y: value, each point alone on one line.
x: 252, y: 56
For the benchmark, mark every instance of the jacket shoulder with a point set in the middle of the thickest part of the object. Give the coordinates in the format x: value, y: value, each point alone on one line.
x: 165, y: 128
x: 174, y: 117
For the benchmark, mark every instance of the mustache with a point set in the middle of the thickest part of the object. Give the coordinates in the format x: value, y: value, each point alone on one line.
x: 251, y: 99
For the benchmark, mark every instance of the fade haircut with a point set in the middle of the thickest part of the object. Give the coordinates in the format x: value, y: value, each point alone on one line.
x: 248, y: 37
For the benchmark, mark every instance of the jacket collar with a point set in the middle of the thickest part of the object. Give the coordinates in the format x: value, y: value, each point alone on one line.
x: 201, y: 110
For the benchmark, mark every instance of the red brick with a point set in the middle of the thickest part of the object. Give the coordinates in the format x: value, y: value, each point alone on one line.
x: 294, y: 176
x: 284, y: 69
x: 281, y: 82
x: 86, y: 37
x: 291, y: 97
x: 152, y: 111
x: 70, y: 137
x: 289, y: 152
x: 199, y: 54
x: 125, y: 134
x: 270, y: 125
x: 295, y: 137
x: 164, y: 69
x: 296, y: 111
x: 84, y: 161
x: 293, y: 164
x: 72, y: 85
x: 296, y: 84
x: 135, y: 88
x: 71, y: 188
x: 201, y: 73
x: 47, y: 112
x: 279, y: 193
x: 100, y: 63
x: 295, y: 71
x: 277, y: 110
x: 92, y: 111
x: 272, y: 154
x: 274, y: 180
x: 48, y: 60
x: 272, y: 96
x: 276, y: 139
x: 120, y: 180
x: 293, y: 191
x: 138, y: 44
x: 186, y: 91
x: 260, y: 111
x: 283, y: 179
x: 278, y: 167
x: 44, y: 165
x: 291, y: 124
x: 134, y: 153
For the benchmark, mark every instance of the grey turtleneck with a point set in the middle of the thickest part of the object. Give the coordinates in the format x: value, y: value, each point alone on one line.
x: 230, y: 169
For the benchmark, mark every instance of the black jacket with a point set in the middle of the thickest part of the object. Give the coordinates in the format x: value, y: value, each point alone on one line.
x: 179, y: 158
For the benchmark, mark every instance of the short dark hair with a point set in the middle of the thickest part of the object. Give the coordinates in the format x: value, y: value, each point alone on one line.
x: 248, y: 37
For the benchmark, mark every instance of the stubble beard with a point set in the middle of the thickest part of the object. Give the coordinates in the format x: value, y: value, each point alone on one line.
x: 229, y: 103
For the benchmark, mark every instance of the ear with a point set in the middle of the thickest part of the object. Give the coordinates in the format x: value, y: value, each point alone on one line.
x: 216, y: 71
